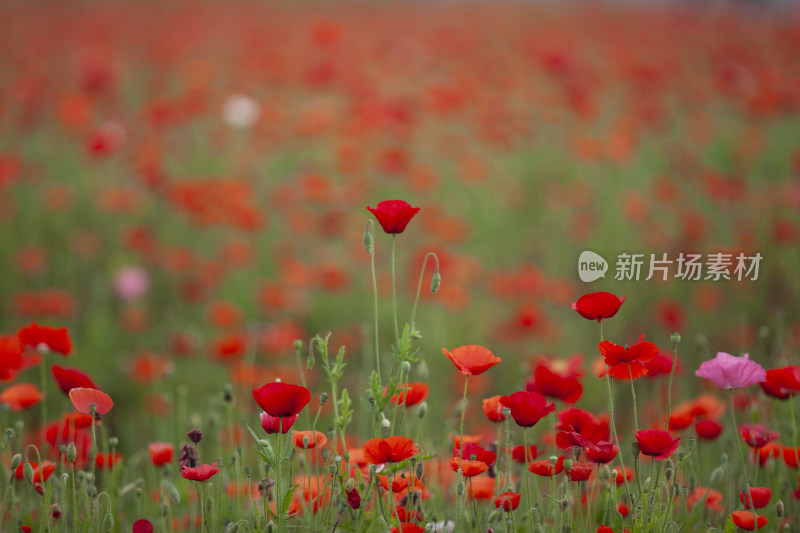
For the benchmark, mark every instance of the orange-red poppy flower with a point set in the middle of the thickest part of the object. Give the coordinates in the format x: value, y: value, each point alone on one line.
x: 21, y: 396
x: 468, y: 468
x: 627, y: 363
x: 161, y: 453
x: 745, y: 520
x: 411, y: 394
x: 472, y: 359
x: 493, y: 409
x: 316, y: 439
x: 85, y: 399
x: 389, y: 450
x: 53, y: 339
x: 508, y: 501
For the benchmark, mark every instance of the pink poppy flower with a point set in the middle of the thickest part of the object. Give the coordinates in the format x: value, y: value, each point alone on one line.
x: 730, y: 372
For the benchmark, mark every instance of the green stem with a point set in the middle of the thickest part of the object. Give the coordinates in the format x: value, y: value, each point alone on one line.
x: 394, y: 290
x: 279, y: 464
x: 669, y: 387
x: 419, y: 285
x: 525, y: 470
x: 633, y: 393
x: 374, y: 300
x: 741, y: 457
x: 461, y: 454
x: 93, y: 459
x: 43, y: 387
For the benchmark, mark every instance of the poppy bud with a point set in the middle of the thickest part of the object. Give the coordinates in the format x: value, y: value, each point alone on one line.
x: 350, y: 485
x: 9, y: 433
x: 717, y: 474
x: 675, y: 338
x: 113, y: 442
x: 567, y: 464
x: 325, y: 453
x: 172, y: 492
x: 614, y: 475
x: 460, y: 487
x: 635, y: 449
x: 668, y: 474
x: 323, y: 397
x: 195, y: 435
x: 271, y: 527
x: 305, y: 441
x: 27, y: 471
x: 38, y: 487
x: 346, y: 456
x: 385, y: 422
x: 367, y: 240
x: 779, y: 508
x: 15, y: 461
x: 422, y: 410
x: 55, y: 511
x: 436, y: 281
x: 405, y: 367
x: 310, y: 362
x: 419, y: 471
x: 233, y: 527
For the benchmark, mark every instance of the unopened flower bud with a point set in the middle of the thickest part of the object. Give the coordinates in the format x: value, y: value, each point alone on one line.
x: 310, y: 362
x: 436, y: 282
x: 567, y: 464
x: 305, y: 441
x: 15, y: 461
x: 367, y: 240
x: 113, y: 442
x: 635, y: 449
x: 419, y: 471
x: 55, y: 511
x: 325, y: 453
x: 675, y: 338
x: 779, y: 509
x: 460, y: 487
x: 27, y: 471
x: 422, y: 409
x: 271, y: 527
x: 323, y: 397
x: 717, y: 474
x: 350, y: 485
x: 108, y: 522
x: 298, y: 345
x: 405, y: 367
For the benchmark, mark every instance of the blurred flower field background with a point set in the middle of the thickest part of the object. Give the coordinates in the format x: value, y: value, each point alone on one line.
x: 184, y: 188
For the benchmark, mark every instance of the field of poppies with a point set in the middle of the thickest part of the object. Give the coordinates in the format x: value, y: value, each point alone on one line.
x: 399, y: 267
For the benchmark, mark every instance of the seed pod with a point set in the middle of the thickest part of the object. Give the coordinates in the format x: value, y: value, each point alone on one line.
x: 675, y: 338
x: 113, y: 442
x: 72, y: 452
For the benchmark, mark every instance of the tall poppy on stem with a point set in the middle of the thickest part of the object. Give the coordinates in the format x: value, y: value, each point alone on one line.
x: 598, y: 305
x: 282, y: 399
x: 470, y: 360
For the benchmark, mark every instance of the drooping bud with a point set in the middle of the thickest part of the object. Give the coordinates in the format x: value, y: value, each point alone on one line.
x: 27, y: 471
x: 367, y: 240
x: 108, y: 522
x: 15, y: 461
x: 436, y: 282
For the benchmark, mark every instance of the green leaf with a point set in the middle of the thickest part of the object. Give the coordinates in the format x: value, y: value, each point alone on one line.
x: 287, y: 500
x: 730, y: 527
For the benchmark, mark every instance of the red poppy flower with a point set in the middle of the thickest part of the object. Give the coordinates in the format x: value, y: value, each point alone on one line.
x: 508, y: 501
x: 656, y: 443
x: 602, y: 453
x: 468, y: 468
x: 579, y: 471
x: 21, y: 396
x: 782, y: 383
x: 583, y: 429
x: 353, y: 499
x: 545, y: 467
x: 475, y: 452
x: 275, y: 424
x: 708, y: 429
x: 46, y: 469
x: 627, y: 363
x: 518, y: 453
x: 143, y: 526
x: 200, y: 473
x: 71, y: 378
x: 394, y: 215
x: 791, y: 456
x: 472, y: 360
x: 54, y: 339
x: 107, y: 460
x: 316, y: 439
x: 744, y: 520
x: 527, y: 408
x: 389, y: 450
x: 598, y: 305
x: 552, y: 385
x: 757, y: 435
x: 661, y: 365
x: 10, y: 357
x: 84, y: 398
x: 161, y: 453
x: 712, y: 498
x: 493, y: 409
x: 282, y: 399
x: 759, y: 495
x: 411, y: 395
x: 408, y: 527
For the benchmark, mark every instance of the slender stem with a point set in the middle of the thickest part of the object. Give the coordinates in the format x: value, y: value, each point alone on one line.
x: 460, y: 453
x: 741, y: 457
x: 279, y: 464
x: 43, y: 387
x: 612, y: 424
x: 669, y: 387
x: 525, y: 471
x: 394, y: 290
x: 94, y: 462
x: 374, y: 300
x: 419, y: 285
x: 203, y: 522
x: 633, y: 393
